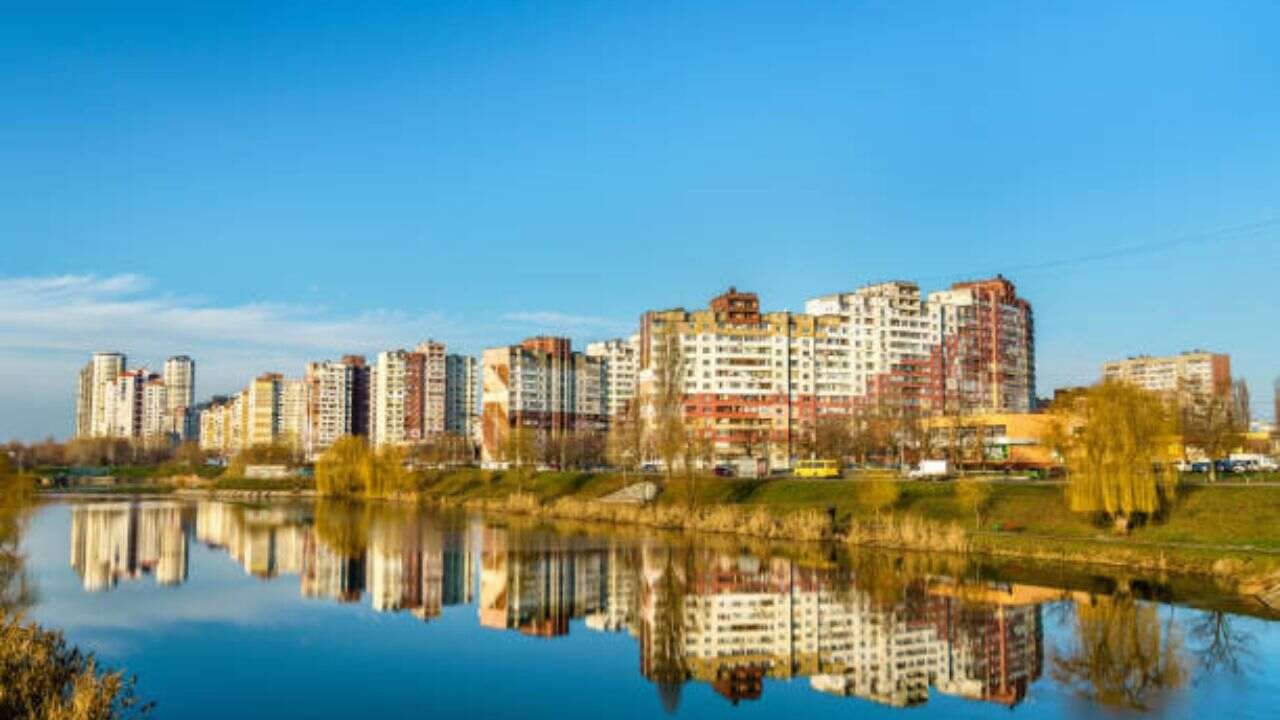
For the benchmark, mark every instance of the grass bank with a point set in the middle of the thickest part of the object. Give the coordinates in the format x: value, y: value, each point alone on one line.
x: 1226, y: 531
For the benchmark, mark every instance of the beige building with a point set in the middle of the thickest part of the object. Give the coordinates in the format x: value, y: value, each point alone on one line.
x: 542, y: 386
x: 1190, y: 377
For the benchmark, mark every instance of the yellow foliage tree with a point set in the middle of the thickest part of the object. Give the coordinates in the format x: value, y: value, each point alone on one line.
x: 1119, y: 453
x: 351, y: 467
x: 974, y: 496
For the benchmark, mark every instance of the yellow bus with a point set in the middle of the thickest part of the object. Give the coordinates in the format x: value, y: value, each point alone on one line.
x: 818, y: 469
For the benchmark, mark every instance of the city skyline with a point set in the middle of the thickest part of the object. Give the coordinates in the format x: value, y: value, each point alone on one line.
x: 1261, y: 402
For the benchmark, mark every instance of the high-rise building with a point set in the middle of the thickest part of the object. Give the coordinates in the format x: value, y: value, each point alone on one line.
x: 180, y: 388
x: 749, y: 381
x: 134, y: 406
x: 540, y: 385
x: 213, y: 425
x: 337, y: 401
x: 293, y: 413
x: 265, y: 396
x: 970, y: 348
x: 114, y: 402
x: 1191, y: 378
x: 407, y: 398
x: 987, y: 357
x: 84, y: 401
x: 462, y: 395
x: 103, y: 368
x: 620, y: 357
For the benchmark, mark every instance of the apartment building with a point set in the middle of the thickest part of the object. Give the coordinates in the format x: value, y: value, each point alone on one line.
x: 112, y: 401
x: 541, y: 385
x: 970, y: 348
x: 621, y: 360
x: 126, y: 407
x: 337, y: 401
x: 750, y: 380
x: 988, y: 348
x: 213, y: 425
x: 92, y: 418
x: 407, y: 397
x: 462, y: 395
x: 264, y: 397
x: 1190, y: 378
x: 180, y: 395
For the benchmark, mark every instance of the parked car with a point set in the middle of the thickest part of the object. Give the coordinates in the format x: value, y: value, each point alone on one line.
x: 650, y: 468
x: 722, y: 471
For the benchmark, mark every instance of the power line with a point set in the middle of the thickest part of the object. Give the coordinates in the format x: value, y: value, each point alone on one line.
x: 1227, y: 233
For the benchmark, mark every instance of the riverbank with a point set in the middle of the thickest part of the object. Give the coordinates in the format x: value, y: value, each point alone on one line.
x: 1228, y: 532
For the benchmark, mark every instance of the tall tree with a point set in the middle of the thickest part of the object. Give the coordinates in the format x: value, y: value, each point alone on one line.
x: 1216, y: 425
x: 1122, y: 453
x: 668, y: 398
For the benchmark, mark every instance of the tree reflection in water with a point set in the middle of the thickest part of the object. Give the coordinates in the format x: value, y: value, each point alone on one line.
x: 667, y: 668
x: 1122, y: 655
x: 1222, y: 646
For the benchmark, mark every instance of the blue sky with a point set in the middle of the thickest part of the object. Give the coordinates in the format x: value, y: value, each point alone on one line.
x: 259, y: 186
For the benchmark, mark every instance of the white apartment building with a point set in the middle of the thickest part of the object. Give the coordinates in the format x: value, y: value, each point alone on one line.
x: 180, y: 381
x: 103, y: 368
x: 329, y: 389
x: 887, y: 329
x: 156, y: 418
x: 621, y: 363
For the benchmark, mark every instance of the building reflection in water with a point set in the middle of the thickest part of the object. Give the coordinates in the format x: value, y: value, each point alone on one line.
x: 727, y: 620
x: 111, y: 542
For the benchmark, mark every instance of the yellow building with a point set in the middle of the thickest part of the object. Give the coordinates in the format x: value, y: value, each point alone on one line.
x: 1012, y: 440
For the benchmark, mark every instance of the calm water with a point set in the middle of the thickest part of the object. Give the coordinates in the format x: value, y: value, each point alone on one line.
x: 233, y: 610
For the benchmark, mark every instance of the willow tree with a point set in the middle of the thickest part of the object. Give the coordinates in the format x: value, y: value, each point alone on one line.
x: 1120, y: 453
x: 351, y: 467
x: 1121, y: 655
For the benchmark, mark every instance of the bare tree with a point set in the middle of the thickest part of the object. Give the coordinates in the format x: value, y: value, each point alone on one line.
x: 668, y: 397
x: 1217, y: 424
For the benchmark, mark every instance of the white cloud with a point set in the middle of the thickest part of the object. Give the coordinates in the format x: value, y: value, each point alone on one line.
x: 564, y: 322
x: 49, y: 325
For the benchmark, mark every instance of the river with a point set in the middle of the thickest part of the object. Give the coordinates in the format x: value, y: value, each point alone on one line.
x: 345, y: 611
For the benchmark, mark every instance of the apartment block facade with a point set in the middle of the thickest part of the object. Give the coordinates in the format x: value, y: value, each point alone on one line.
x: 407, y: 397
x: 756, y: 383
x: 967, y: 349
x: 621, y: 361
x: 337, y: 401
x: 462, y: 395
x: 541, y: 385
x: 1190, y: 378
x: 749, y: 380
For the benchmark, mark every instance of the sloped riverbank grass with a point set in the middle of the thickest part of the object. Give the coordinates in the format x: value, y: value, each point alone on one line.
x: 1217, y: 529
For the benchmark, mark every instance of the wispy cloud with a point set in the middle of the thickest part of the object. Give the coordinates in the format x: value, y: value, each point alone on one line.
x: 48, y: 325
x: 566, y: 322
